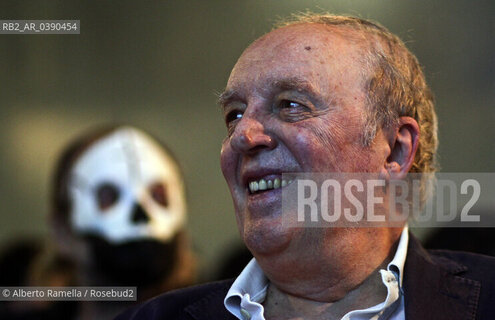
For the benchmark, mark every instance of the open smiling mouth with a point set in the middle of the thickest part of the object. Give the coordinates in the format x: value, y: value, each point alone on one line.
x: 258, y: 186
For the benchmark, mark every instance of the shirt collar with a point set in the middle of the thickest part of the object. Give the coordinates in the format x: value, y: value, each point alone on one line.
x: 253, y: 282
x: 392, y: 280
x: 397, y: 263
x: 251, y: 285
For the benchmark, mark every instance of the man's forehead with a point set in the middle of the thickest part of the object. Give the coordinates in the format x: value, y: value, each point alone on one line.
x: 303, y: 57
x: 301, y: 38
x: 301, y: 47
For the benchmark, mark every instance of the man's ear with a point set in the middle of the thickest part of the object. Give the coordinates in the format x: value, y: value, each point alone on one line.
x: 403, y: 142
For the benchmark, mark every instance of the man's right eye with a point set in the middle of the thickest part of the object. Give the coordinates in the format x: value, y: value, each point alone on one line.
x: 233, y: 116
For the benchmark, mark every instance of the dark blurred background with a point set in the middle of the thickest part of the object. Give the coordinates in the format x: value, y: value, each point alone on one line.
x: 159, y: 66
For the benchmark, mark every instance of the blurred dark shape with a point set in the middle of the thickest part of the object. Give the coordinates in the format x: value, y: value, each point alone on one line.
x: 233, y: 262
x: 16, y: 260
x: 477, y: 240
x: 17, y: 264
x: 124, y: 264
x: 27, y: 310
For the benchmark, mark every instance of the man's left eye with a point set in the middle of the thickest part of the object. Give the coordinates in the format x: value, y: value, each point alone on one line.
x: 287, y: 104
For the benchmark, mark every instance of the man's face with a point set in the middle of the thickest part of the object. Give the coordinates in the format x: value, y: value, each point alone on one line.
x: 294, y: 102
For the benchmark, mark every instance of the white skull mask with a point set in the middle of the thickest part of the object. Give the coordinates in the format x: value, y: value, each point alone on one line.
x: 126, y: 187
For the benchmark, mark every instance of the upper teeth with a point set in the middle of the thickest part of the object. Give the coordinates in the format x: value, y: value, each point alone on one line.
x: 263, y: 184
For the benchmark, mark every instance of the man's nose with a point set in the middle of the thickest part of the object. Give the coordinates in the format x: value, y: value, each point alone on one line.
x: 250, y: 136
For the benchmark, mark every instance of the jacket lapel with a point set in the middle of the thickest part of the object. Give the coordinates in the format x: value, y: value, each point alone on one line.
x: 434, y: 287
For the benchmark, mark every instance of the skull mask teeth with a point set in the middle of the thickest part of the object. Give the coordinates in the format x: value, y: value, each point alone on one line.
x: 125, y: 187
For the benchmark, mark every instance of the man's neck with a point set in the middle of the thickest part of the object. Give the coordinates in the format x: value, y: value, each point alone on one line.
x: 330, y: 285
x: 282, y: 305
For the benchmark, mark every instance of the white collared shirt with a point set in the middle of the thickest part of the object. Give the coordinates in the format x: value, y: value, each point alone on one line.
x: 248, y: 292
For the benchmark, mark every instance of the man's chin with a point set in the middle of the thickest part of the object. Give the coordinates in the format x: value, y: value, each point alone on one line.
x: 267, y: 238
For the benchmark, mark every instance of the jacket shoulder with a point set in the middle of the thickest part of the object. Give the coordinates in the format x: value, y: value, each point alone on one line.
x: 181, y: 303
x: 479, y: 268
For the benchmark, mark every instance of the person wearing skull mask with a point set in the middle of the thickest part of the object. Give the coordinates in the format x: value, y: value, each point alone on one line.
x: 119, y: 212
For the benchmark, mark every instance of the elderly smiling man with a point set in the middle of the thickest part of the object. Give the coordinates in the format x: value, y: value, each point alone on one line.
x: 329, y: 93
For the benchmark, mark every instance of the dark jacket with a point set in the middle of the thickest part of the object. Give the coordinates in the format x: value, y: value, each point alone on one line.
x: 437, y: 285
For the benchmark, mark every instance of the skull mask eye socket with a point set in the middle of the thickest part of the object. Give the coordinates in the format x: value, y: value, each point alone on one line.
x: 107, y: 195
x: 159, y: 193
